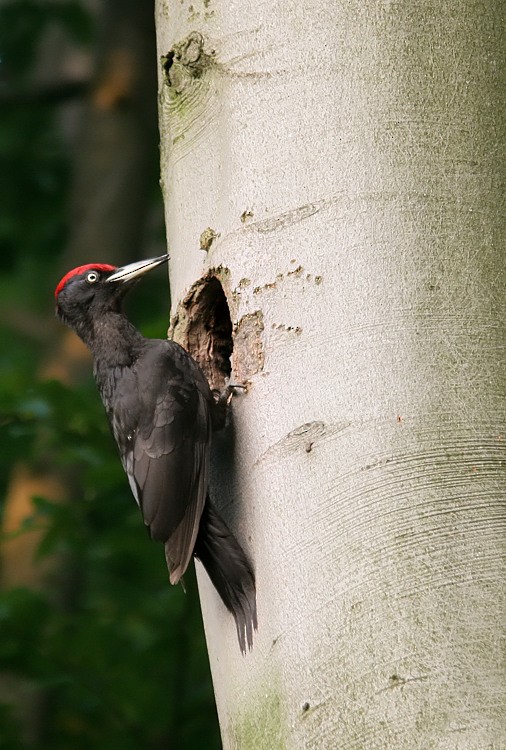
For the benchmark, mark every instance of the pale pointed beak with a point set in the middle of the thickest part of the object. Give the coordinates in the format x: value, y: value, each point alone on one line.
x: 133, y: 270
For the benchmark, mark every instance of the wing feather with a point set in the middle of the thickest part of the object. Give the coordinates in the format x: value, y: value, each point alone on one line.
x: 166, y: 455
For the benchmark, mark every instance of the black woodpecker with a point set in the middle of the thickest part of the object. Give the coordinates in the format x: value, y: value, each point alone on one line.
x: 160, y: 409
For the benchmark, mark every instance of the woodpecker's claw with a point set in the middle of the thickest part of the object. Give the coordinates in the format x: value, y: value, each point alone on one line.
x: 222, y: 399
x: 226, y: 393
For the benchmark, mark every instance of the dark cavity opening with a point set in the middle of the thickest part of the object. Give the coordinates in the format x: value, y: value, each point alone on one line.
x: 209, y: 332
x: 167, y: 61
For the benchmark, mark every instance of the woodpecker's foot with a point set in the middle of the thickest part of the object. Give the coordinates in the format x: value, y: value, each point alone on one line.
x: 222, y: 400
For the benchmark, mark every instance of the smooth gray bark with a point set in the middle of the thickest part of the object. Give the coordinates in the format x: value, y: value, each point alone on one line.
x: 347, y: 154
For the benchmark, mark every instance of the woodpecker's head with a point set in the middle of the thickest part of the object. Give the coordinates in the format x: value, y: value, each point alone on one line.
x: 87, y: 292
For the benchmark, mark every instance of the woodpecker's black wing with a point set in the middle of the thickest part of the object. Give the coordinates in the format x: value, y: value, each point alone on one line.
x: 164, y: 440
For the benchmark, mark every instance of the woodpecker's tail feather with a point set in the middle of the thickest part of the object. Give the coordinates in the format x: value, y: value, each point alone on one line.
x: 230, y: 572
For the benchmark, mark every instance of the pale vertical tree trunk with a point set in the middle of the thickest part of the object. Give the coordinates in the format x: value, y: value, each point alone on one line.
x: 346, y: 156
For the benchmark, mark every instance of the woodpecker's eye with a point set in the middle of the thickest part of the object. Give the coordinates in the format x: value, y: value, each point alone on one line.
x: 91, y: 277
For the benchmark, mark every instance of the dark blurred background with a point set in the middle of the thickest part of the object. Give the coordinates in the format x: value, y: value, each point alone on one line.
x: 96, y: 649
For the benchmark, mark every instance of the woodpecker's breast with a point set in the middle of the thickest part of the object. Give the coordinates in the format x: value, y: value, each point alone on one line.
x: 119, y: 392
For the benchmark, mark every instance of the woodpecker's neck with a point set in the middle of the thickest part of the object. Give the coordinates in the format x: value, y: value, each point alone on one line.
x: 113, y: 340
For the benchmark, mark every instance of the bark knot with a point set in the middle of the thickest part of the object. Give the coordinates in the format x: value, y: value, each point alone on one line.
x: 186, y: 61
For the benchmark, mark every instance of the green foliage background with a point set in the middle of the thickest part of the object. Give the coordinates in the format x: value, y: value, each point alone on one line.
x: 115, y: 654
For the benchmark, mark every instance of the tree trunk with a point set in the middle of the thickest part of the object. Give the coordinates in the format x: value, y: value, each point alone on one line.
x: 333, y: 168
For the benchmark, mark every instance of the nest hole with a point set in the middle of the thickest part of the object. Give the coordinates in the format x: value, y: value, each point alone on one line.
x: 209, y: 332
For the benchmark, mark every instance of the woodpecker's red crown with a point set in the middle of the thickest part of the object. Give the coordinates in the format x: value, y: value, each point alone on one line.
x: 79, y: 270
